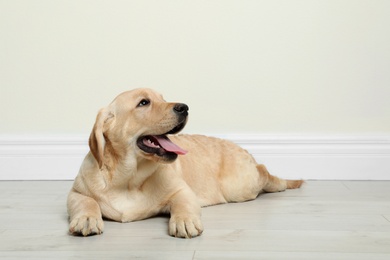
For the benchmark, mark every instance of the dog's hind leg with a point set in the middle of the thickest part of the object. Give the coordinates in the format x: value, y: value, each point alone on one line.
x: 275, y: 184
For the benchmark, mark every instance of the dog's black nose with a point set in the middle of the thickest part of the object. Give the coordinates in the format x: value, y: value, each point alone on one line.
x: 181, y: 109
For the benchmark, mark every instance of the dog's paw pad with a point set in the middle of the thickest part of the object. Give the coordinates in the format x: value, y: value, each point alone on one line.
x: 86, y: 226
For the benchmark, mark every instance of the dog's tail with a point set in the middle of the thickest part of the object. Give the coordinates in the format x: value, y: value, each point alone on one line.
x: 275, y: 184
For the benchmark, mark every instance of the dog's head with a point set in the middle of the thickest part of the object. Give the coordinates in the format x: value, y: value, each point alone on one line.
x: 138, y: 120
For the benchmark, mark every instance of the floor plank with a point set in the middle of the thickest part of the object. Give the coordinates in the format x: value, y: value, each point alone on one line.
x: 259, y: 255
x: 78, y: 255
x: 219, y: 240
x: 323, y: 220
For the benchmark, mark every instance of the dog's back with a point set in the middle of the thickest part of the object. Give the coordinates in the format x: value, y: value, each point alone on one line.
x: 219, y: 171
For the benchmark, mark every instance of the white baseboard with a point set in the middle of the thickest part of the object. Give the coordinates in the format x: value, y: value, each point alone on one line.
x: 292, y: 157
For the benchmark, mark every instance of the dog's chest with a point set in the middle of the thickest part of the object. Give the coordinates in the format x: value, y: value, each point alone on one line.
x: 129, y: 205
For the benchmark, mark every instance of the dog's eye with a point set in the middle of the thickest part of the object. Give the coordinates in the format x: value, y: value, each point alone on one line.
x: 144, y: 102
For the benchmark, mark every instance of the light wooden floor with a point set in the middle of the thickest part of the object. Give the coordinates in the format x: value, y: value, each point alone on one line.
x: 323, y: 220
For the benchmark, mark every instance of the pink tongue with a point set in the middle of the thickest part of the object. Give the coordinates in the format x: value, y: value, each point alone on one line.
x: 168, y: 145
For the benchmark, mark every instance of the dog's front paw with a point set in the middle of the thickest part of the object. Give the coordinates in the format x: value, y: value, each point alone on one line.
x: 86, y: 226
x: 185, y: 227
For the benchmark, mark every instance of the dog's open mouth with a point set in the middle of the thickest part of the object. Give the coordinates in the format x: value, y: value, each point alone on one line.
x: 161, y: 145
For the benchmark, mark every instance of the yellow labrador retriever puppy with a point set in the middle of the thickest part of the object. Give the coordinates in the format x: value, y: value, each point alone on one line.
x: 134, y: 171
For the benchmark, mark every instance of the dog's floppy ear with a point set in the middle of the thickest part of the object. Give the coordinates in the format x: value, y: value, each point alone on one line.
x: 97, y: 140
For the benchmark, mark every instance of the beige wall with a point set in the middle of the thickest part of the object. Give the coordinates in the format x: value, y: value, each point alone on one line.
x: 303, y: 67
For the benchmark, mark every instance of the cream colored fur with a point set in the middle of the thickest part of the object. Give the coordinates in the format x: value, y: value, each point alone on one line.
x: 119, y: 181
